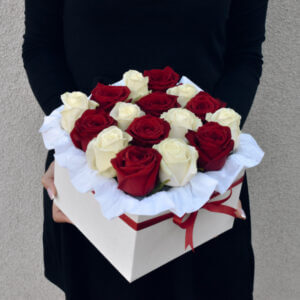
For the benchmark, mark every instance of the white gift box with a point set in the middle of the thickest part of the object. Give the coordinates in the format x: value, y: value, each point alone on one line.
x: 140, y: 236
x: 134, y: 244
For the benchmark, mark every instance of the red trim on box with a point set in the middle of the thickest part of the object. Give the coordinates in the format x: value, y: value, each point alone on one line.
x: 147, y: 223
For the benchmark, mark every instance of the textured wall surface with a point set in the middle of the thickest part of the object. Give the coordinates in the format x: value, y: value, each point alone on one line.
x: 274, y: 187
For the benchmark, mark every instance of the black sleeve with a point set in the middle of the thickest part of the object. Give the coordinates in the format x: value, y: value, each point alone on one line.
x: 243, y: 61
x: 43, y: 52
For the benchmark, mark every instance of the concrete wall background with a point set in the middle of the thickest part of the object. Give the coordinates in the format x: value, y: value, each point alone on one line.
x: 274, y: 122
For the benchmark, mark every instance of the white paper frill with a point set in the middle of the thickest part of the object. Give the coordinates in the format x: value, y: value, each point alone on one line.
x: 115, y: 202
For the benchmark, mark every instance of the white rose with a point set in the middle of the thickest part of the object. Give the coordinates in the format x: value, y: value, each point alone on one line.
x: 75, y: 104
x: 137, y: 83
x: 179, y: 161
x: 185, y: 93
x: 105, y: 147
x: 181, y: 120
x: 227, y: 117
x: 125, y: 113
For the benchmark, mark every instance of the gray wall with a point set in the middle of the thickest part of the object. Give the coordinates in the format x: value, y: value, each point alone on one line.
x: 273, y: 185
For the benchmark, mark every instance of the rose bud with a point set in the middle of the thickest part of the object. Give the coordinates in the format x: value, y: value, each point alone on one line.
x: 137, y: 170
x: 204, y: 103
x: 213, y: 143
x: 89, y: 125
x: 181, y: 120
x: 179, y: 161
x: 148, y: 130
x: 162, y: 79
x: 125, y: 113
x: 227, y: 117
x: 102, y: 149
x: 107, y: 95
x: 137, y: 83
x: 75, y: 104
x: 156, y: 103
x: 185, y: 93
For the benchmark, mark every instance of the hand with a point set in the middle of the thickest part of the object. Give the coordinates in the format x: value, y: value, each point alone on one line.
x: 48, y: 183
x: 58, y: 216
x: 240, y: 212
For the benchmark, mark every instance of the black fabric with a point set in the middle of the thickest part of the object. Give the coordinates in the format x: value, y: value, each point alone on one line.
x: 71, y: 44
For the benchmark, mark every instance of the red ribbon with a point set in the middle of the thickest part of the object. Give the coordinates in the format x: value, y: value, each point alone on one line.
x: 142, y: 225
x: 188, y: 224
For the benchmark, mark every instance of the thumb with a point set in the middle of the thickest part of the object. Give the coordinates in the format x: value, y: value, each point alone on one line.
x: 51, y: 190
x: 240, y: 212
x: 48, y: 183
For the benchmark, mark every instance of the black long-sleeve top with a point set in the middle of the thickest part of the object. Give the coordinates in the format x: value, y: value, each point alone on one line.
x: 71, y: 44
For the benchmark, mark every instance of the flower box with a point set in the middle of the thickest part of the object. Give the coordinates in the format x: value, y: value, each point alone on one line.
x: 116, y: 150
x: 134, y: 244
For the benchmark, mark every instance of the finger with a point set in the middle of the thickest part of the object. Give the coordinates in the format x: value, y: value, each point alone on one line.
x: 51, y: 189
x: 58, y: 216
x: 49, y: 185
x: 48, y: 181
x: 50, y: 171
x: 240, y: 212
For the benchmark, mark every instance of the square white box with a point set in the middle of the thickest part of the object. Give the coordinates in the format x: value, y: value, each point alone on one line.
x: 135, y: 253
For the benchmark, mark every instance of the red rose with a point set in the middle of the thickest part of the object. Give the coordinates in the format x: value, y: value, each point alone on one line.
x: 148, y: 130
x: 213, y: 143
x: 156, y: 103
x: 137, y: 169
x: 89, y: 125
x: 162, y: 79
x: 107, y: 95
x: 204, y: 103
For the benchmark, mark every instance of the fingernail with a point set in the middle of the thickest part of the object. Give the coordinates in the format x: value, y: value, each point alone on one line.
x: 243, y: 214
x: 51, y: 196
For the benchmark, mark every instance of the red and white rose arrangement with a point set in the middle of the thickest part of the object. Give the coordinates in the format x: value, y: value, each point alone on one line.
x: 124, y: 143
x: 151, y: 131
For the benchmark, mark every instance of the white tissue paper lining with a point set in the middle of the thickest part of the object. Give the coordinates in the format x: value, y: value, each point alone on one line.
x: 114, y: 202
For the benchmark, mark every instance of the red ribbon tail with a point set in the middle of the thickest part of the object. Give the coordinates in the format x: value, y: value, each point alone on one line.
x: 219, y: 207
x: 188, y: 225
x: 190, y: 230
